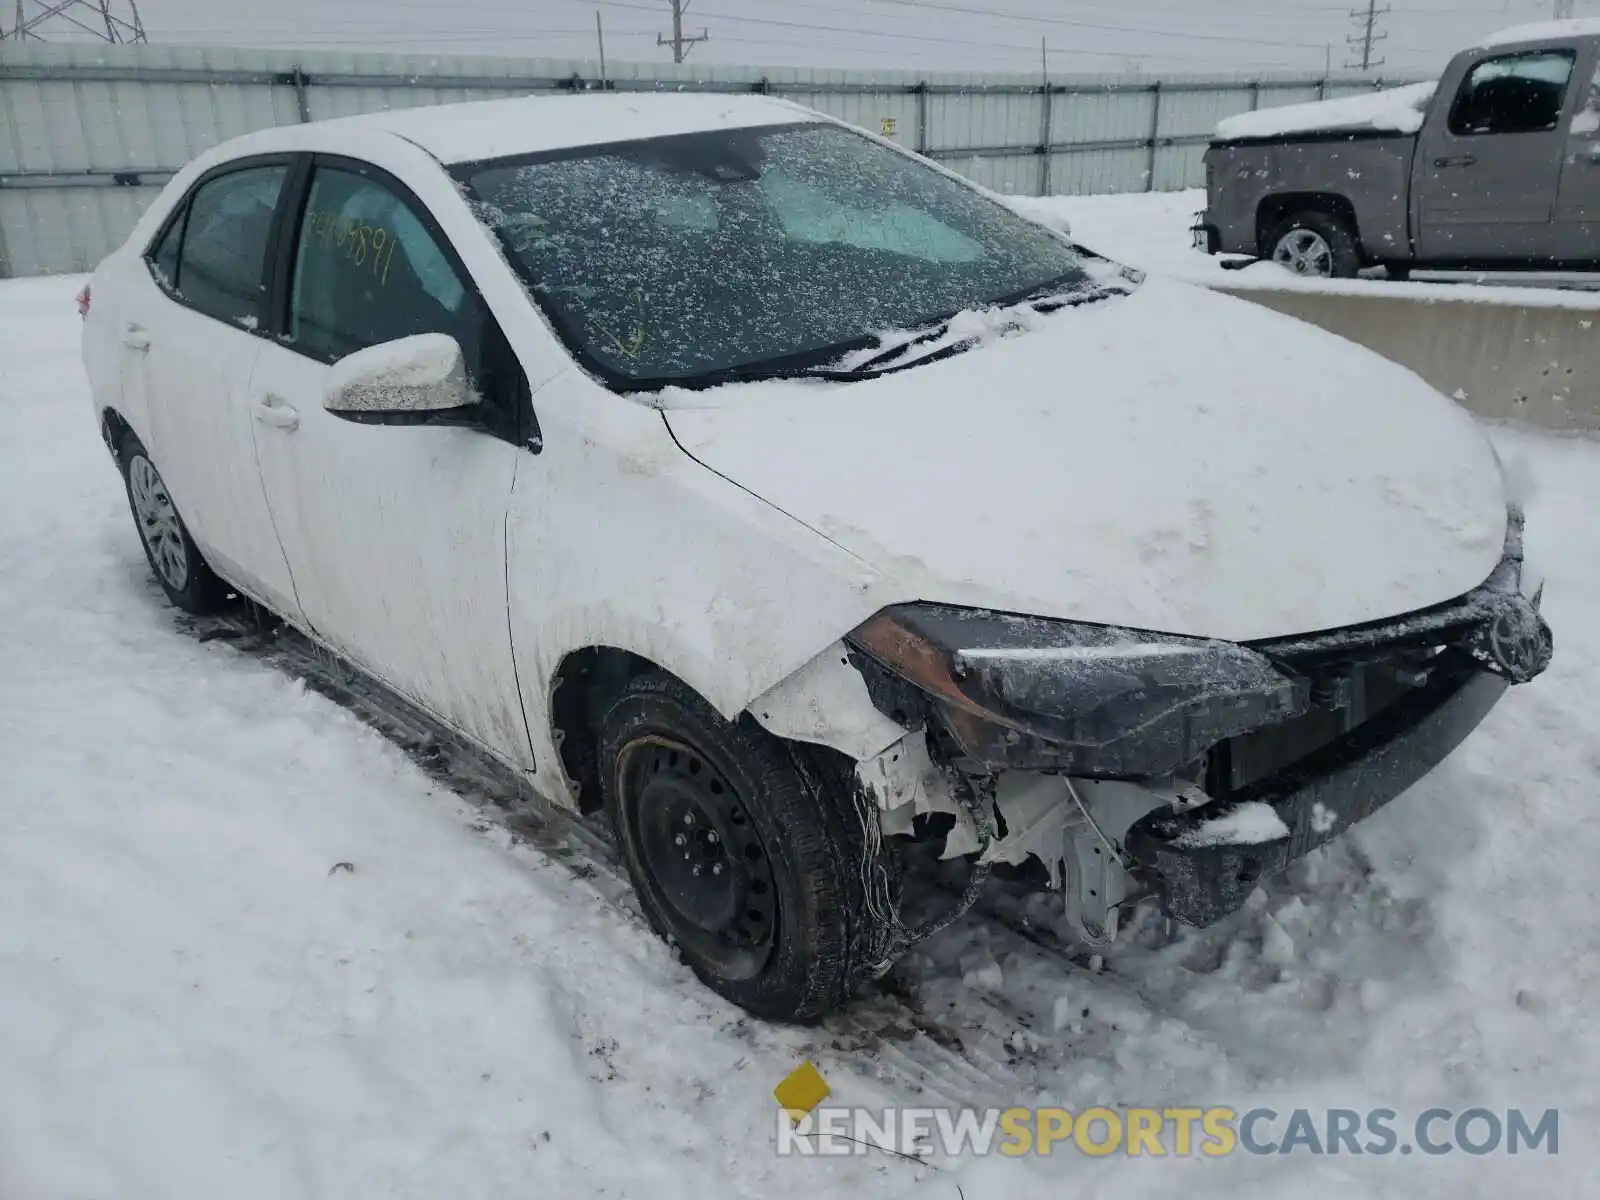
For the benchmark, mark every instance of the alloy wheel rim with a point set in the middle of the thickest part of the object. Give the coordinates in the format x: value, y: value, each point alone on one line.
x: 158, y: 523
x: 1305, y: 252
x: 702, y: 855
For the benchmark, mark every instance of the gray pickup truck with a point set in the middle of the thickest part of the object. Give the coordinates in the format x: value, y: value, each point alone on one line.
x: 1497, y: 167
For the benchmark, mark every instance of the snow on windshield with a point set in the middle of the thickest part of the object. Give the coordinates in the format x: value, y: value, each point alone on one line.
x: 1397, y: 110
x: 673, y: 259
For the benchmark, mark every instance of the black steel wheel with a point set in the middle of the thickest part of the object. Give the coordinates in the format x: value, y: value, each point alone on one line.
x: 753, y: 855
x: 701, y: 855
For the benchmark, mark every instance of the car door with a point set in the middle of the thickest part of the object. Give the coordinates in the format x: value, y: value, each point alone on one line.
x: 1577, y: 233
x: 395, y: 533
x: 1488, y: 172
x: 190, y: 341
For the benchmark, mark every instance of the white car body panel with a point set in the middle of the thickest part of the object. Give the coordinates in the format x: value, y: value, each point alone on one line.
x: 193, y: 380
x: 1067, y: 472
x: 1071, y: 472
x: 459, y: 133
x: 396, y: 539
x: 617, y: 538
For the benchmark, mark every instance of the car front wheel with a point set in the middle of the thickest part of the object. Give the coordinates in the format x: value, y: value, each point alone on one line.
x: 753, y: 855
x: 179, y: 567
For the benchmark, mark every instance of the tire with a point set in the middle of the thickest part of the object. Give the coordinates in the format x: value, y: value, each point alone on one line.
x: 1315, y: 243
x: 1399, y: 272
x: 179, y: 566
x: 748, y: 852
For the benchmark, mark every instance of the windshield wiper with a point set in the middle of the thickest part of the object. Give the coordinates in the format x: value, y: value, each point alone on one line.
x: 1066, y: 291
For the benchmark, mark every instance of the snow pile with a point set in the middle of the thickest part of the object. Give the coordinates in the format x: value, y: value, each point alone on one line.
x: 1542, y: 31
x: 194, y: 1003
x: 1151, y: 231
x: 1397, y: 110
x: 1249, y: 824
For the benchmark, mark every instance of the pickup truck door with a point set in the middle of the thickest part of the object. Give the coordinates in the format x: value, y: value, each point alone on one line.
x: 1489, y: 158
x: 1578, y: 202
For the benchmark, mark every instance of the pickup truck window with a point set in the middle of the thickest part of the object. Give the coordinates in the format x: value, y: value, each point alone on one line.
x: 1513, y: 93
x: 1586, y: 121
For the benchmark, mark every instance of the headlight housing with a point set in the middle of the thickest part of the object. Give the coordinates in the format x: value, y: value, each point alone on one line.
x: 1090, y: 700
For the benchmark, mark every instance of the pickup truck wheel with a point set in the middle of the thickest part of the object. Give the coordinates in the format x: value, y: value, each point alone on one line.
x: 1315, y: 243
x: 742, y: 850
x: 179, y: 567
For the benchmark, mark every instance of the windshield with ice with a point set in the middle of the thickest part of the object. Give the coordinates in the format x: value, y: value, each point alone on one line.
x: 693, y: 258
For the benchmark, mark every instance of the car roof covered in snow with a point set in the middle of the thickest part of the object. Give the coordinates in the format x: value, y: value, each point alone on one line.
x: 1542, y: 31
x: 457, y: 133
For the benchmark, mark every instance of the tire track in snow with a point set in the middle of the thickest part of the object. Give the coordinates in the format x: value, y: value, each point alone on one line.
x: 890, y: 1035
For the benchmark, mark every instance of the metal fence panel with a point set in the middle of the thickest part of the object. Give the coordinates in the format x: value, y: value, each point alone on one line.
x: 1091, y: 172
x: 963, y: 121
x: 88, y: 132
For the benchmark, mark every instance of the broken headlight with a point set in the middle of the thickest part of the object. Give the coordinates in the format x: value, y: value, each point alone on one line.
x: 1092, y: 700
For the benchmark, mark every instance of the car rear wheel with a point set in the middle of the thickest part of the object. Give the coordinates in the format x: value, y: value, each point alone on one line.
x: 1316, y: 244
x: 751, y: 854
x: 179, y: 567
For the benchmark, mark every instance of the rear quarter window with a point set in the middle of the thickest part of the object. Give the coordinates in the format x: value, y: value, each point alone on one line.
x: 213, y: 257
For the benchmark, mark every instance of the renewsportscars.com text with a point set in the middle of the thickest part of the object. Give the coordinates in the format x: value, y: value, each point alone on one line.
x: 1167, y: 1132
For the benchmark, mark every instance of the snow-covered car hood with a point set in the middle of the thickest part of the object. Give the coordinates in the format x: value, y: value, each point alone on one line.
x: 1174, y: 460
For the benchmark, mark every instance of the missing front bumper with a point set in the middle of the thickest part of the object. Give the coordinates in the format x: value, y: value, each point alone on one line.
x: 1317, y: 799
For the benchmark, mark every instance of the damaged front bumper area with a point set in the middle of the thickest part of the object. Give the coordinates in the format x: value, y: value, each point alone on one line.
x: 1205, y: 863
x: 1191, y: 769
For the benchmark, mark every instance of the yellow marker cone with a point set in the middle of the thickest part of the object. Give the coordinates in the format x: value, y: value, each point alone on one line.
x: 801, y: 1090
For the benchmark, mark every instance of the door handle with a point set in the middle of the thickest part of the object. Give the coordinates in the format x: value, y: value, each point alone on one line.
x: 1460, y: 160
x: 275, y: 411
x: 134, y: 337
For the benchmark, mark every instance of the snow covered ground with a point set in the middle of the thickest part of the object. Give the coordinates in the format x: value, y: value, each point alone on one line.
x: 1152, y: 230
x: 195, y: 1002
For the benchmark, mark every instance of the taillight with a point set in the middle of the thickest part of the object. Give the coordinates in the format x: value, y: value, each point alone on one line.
x: 85, y: 299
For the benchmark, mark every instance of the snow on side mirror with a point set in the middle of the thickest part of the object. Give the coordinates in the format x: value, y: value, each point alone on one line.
x: 407, y: 381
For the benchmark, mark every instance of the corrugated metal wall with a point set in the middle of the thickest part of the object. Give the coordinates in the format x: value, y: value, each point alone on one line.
x: 89, y: 133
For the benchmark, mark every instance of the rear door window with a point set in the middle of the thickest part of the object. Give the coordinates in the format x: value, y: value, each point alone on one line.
x: 221, y: 262
x: 163, y: 256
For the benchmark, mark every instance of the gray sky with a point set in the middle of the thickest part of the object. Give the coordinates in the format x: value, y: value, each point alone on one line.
x: 980, y: 35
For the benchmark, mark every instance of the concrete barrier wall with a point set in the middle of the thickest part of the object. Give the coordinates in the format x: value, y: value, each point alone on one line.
x: 1532, y: 363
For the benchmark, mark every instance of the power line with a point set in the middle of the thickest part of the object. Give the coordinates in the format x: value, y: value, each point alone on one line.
x: 680, y: 44
x: 1366, y: 36
x: 773, y: 22
x: 1067, y: 22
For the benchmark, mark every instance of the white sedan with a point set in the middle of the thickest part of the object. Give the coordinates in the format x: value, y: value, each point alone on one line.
x: 708, y: 460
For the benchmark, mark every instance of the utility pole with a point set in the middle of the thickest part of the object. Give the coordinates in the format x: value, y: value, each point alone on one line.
x: 600, y: 37
x: 680, y: 44
x: 115, y: 21
x: 1366, y: 37
x: 1564, y: 9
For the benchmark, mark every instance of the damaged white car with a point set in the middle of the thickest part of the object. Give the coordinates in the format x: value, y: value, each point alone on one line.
x: 713, y: 462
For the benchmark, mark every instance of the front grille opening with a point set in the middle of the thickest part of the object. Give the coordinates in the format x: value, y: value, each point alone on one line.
x: 1360, y: 692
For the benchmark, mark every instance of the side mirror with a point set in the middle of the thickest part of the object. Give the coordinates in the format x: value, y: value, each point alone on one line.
x: 418, y: 380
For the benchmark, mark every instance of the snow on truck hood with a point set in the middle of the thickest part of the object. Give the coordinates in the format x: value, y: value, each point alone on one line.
x: 1174, y: 460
